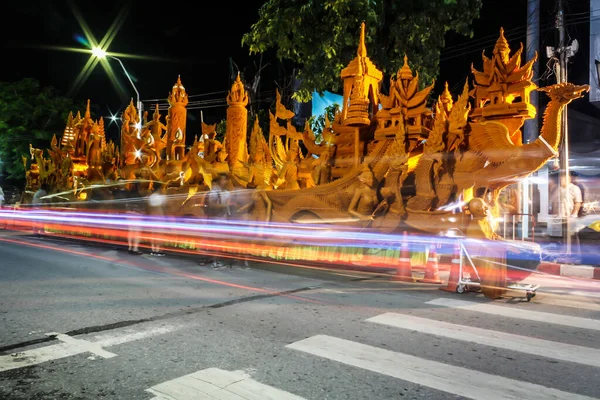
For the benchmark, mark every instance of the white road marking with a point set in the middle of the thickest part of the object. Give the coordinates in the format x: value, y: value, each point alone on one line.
x: 508, y: 341
x: 70, y: 346
x: 519, y: 313
x: 37, y: 356
x: 555, y: 301
x: 584, y: 294
x: 436, y: 375
x: 108, y: 340
x: 215, y: 383
x: 83, y: 345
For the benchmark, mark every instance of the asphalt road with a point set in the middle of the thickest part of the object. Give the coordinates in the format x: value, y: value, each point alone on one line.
x: 84, y: 322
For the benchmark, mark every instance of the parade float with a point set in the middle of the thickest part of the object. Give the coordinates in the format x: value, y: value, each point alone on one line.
x: 387, y: 162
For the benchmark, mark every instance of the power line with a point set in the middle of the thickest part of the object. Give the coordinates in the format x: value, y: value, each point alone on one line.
x: 189, y: 96
x: 573, y: 22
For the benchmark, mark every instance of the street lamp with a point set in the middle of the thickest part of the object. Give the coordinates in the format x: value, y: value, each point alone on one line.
x: 102, y: 54
x: 98, y: 52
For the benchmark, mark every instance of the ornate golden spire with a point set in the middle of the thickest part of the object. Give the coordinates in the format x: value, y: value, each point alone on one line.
x: 405, y: 72
x: 88, y: 115
x: 368, y: 68
x: 131, y: 113
x: 460, y: 111
x: 178, y: 95
x: 156, y: 112
x: 446, y: 99
x: 256, y: 144
x: 503, y: 80
x: 362, y: 48
x: 237, y: 95
x: 68, y: 134
x: 101, y: 132
x: 502, y: 49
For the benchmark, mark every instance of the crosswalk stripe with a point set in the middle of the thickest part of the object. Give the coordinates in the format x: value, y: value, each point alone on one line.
x: 562, y: 302
x: 70, y: 346
x: 215, y: 383
x: 519, y: 313
x: 508, y: 341
x: 447, y: 378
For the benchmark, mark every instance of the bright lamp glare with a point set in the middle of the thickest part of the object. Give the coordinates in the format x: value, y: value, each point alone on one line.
x: 98, y: 52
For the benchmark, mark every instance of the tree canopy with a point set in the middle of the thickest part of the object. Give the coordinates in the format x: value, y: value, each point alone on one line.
x: 322, y: 36
x: 29, y: 114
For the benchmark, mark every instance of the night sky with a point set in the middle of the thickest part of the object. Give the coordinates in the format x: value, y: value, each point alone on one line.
x: 197, y: 40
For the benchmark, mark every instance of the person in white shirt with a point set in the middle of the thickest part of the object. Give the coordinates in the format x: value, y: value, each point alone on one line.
x: 570, y: 199
x: 38, y: 200
x: 219, y: 198
x: 219, y: 205
x: 1, y: 196
x: 156, y: 208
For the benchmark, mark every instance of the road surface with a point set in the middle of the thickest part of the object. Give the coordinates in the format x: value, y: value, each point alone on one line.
x: 79, y: 321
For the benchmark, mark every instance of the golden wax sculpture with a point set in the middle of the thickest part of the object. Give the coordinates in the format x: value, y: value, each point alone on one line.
x: 387, y: 161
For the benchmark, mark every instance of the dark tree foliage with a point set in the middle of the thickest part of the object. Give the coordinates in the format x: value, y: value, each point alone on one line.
x: 29, y: 114
x: 322, y: 36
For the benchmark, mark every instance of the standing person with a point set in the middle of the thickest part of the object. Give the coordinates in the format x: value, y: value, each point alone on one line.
x: 156, y: 209
x: 2, y: 202
x: 575, y: 181
x: 219, y: 203
x: 570, y: 199
x: 120, y: 195
x: 219, y: 199
x: 37, y: 201
x: 134, y: 212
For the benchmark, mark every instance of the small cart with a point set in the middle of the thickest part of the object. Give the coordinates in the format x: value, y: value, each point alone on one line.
x: 474, y: 283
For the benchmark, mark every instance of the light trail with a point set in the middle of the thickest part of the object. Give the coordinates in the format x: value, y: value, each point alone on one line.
x: 160, y: 270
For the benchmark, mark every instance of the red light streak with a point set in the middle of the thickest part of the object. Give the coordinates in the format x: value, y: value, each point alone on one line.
x: 159, y: 270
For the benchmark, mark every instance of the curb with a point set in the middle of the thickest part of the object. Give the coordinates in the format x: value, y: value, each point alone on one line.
x: 573, y: 271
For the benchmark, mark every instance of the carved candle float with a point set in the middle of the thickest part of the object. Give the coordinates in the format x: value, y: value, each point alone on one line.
x: 387, y: 162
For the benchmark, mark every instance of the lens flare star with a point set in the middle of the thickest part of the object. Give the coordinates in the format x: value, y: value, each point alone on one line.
x: 98, y: 50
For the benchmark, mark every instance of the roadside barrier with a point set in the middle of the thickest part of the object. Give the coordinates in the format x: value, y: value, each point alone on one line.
x: 432, y: 272
x: 404, y: 270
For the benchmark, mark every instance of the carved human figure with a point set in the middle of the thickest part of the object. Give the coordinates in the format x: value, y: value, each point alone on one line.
x: 364, y: 200
x: 288, y: 176
x: 156, y: 127
x: 94, y: 158
x: 258, y: 173
x: 32, y: 177
x: 322, y: 170
x: 479, y: 226
x: 220, y: 165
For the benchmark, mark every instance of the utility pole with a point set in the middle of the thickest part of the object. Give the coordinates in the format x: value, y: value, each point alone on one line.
x: 564, y: 52
x: 531, y: 128
x: 560, y: 24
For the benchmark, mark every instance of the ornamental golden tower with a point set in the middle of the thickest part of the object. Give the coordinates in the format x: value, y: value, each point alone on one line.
x: 178, y: 100
x: 237, y: 125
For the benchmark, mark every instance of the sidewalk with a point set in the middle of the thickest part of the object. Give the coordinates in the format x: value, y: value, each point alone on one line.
x: 570, y: 270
